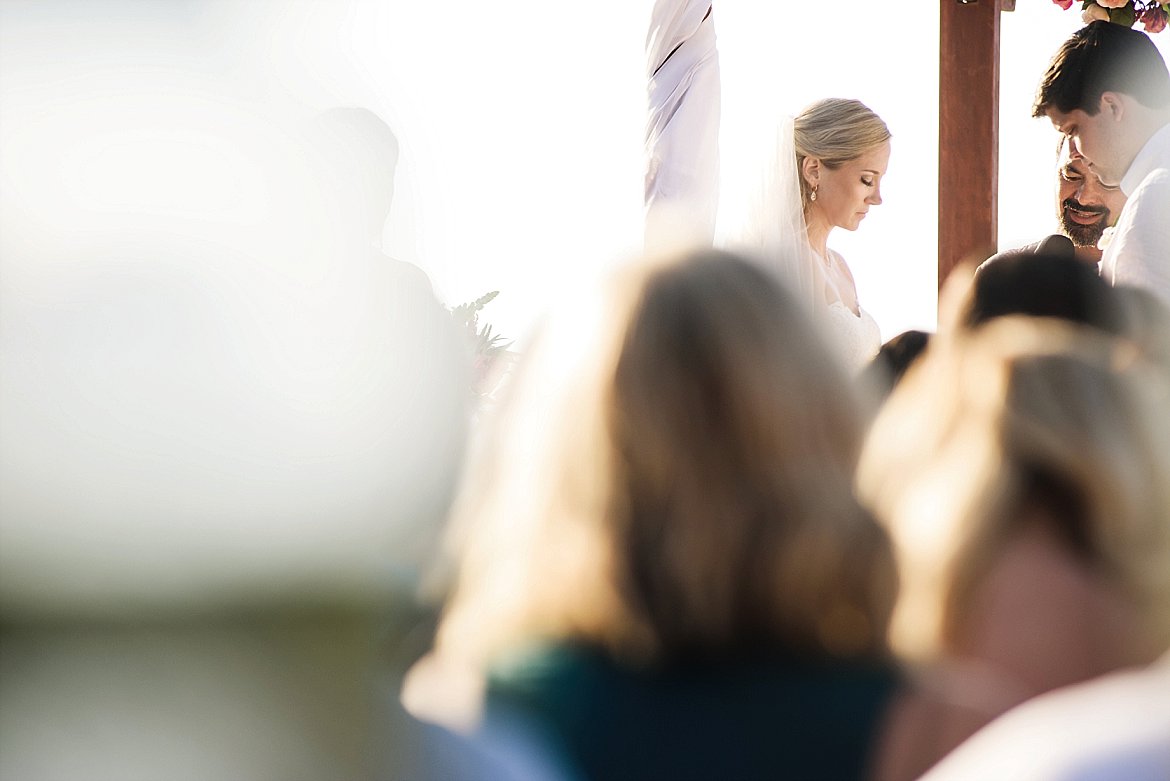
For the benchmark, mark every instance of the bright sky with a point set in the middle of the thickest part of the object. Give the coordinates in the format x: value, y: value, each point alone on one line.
x: 171, y: 316
x: 534, y: 125
x: 521, y: 122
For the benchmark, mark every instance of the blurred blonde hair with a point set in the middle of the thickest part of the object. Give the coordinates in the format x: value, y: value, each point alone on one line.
x: 1021, y: 410
x: 835, y: 130
x: 671, y: 474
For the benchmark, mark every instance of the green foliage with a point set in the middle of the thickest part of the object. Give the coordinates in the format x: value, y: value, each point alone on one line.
x: 468, y: 314
x: 484, y: 342
x: 489, y: 351
x: 1124, y: 15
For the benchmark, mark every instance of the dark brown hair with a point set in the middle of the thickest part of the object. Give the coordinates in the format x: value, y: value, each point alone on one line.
x: 1103, y: 57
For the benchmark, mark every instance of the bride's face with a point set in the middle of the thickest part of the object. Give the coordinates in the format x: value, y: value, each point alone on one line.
x: 845, y: 195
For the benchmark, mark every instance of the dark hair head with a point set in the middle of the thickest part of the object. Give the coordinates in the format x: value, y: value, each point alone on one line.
x: 1042, y: 285
x: 896, y: 354
x: 882, y: 374
x: 1103, y: 57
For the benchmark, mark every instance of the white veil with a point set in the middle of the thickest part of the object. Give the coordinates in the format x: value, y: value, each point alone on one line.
x: 683, y: 162
x: 773, y: 227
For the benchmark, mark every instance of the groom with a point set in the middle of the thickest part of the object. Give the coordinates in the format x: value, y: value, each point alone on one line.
x: 1108, y: 90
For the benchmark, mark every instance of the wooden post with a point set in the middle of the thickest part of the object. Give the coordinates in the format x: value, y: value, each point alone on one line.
x: 968, y: 133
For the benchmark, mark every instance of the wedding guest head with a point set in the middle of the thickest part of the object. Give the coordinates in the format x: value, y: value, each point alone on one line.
x: 1024, y: 473
x: 223, y: 442
x: 1039, y: 285
x: 358, y: 153
x: 893, y: 359
x: 1024, y: 422
x: 1086, y: 206
x: 667, y: 499
x: 842, y: 152
x: 1107, y: 89
x: 705, y: 393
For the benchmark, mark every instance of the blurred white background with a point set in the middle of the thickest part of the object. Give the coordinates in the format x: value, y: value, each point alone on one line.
x: 520, y: 123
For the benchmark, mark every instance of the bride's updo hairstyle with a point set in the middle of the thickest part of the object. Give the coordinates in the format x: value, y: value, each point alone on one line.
x: 835, y: 130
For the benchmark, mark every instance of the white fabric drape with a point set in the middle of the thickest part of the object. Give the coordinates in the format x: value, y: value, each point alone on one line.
x: 682, y: 130
x: 682, y: 159
x: 774, y: 229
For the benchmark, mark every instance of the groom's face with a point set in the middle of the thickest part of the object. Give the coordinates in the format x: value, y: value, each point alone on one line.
x: 1093, y: 137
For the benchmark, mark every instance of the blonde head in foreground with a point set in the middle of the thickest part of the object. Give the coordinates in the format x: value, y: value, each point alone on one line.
x: 1023, y: 418
x: 670, y: 476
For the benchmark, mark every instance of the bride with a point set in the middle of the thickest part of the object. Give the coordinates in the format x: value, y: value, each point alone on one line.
x: 820, y: 171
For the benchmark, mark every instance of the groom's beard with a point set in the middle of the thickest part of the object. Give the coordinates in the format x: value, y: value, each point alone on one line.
x: 1083, y: 235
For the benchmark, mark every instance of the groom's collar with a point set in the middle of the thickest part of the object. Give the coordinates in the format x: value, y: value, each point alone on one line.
x: 1155, y: 154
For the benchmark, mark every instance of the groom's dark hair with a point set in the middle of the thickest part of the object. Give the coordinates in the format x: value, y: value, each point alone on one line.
x: 1103, y: 57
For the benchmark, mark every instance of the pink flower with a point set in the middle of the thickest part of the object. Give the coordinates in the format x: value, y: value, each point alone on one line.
x: 1112, y: 3
x: 1155, y: 19
x: 1093, y: 13
x: 1064, y: 4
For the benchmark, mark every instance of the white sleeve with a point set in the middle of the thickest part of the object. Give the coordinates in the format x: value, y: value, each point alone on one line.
x: 1139, y: 252
x: 682, y: 129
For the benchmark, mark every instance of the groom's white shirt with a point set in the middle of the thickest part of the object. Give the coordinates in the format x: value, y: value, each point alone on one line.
x: 1139, y: 252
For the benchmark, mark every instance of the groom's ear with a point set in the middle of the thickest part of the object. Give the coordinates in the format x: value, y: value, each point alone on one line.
x: 1112, y: 105
x: 810, y: 169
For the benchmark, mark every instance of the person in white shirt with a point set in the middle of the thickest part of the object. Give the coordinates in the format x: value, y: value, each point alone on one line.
x: 1108, y: 90
x: 1115, y: 726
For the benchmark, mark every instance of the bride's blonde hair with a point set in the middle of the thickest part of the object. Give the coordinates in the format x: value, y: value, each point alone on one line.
x: 835, y: 130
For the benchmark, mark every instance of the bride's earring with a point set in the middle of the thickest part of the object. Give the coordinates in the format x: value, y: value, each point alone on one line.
x: 812, y: 196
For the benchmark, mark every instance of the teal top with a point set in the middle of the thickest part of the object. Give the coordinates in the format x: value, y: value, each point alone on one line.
x: 763, y: 717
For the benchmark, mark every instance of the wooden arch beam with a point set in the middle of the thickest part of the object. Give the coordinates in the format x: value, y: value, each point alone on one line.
x: 968, y: 143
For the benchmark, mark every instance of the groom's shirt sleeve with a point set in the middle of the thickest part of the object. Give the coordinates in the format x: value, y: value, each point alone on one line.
x: 1139, y: 253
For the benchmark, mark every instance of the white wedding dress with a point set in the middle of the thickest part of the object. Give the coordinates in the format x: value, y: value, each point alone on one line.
x: 857, y: 336
x: 682, y: 174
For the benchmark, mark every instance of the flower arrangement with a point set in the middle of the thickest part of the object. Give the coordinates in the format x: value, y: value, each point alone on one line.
x: 1153, y: 14
x: 487, y: 349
